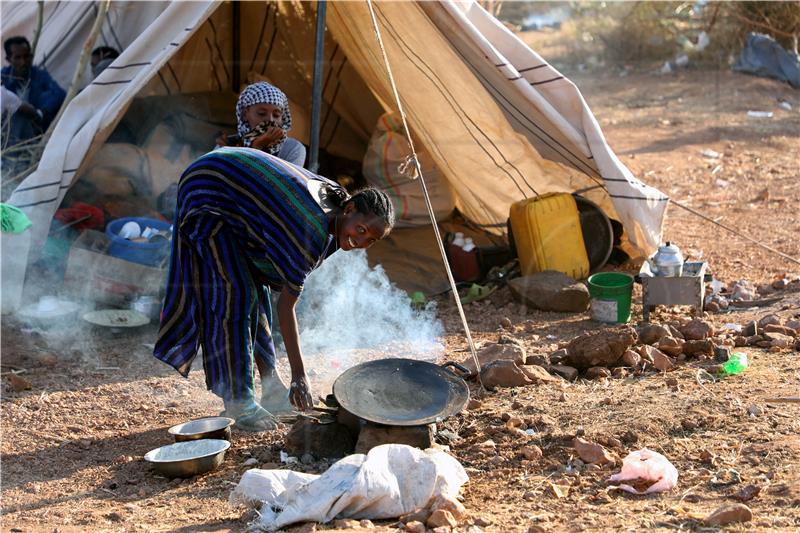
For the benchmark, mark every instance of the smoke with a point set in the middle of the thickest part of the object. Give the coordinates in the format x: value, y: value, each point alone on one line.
x: 349, y: 313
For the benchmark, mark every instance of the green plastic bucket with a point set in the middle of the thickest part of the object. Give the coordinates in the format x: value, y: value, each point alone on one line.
x: 611, y: 296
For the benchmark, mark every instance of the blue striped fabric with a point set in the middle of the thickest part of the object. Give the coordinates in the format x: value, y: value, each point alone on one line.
x: 244, y: 221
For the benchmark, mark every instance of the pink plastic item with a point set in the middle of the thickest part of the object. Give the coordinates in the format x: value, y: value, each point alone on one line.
x: 649, y: 465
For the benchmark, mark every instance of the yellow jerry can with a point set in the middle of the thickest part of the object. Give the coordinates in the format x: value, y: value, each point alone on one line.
x: 547, y: 234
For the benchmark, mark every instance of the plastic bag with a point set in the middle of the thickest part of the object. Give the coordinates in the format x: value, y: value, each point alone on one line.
x: 646, y: 464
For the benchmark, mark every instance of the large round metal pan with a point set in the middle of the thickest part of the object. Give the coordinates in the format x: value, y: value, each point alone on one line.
x: 401, y: 392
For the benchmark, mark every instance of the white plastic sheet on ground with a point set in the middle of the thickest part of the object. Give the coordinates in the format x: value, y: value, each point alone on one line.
x: 389, y: 481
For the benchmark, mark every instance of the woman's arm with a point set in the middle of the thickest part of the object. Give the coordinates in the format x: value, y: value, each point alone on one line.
x: 299, y: 390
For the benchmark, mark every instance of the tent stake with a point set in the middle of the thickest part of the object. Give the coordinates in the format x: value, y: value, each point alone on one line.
x: 316, y: 91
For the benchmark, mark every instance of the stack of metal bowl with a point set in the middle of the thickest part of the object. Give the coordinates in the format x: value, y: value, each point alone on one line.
x: 199, y: 447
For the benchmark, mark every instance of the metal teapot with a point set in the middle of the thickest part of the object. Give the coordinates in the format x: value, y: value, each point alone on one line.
x: 668, y: 261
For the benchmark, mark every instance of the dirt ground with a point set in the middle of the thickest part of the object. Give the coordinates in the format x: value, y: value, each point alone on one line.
x: 72, y: 445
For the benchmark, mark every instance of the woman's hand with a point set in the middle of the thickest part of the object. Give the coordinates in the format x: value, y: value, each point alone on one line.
x: 299, y: 390
x: 300, y: 393
x: 268, y: 138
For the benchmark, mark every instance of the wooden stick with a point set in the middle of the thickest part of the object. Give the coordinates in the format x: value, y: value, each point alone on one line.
x: 783, y: 399
x: 756, y: 303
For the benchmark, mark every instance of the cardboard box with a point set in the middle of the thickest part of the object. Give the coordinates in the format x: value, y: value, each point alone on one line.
x: 94, y: 275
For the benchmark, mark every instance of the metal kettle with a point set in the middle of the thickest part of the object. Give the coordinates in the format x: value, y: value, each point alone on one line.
x: 668, y: 261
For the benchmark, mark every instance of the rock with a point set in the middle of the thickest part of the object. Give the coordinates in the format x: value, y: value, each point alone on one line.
x: 482, y: 521
x: 745, y: 494
x: 631, y: 358
x: 307, y: 459
x: 442, y: 529
x: 310, y: 527
x: 750, y: 329
x: 752, y: 341
x: 629, y: 437
x: 550, y: 291
x: 447, y: 503
x: 415, y: 527
x: 591, y: 452
x: 663, y: 362
x: 496, y: 352
x: 567, y: 372
x: 739, y: 341
x: 514, y: 422
x: 729, y: 514
x: 597, y: 372
x: 440, y: 518
x: 503, y: 374
x: 473, y: 404
x: 558, y: 356
x: 784, y: 330
x: 559, y: 491
x: 372, y: 435
x: 46, y: 358
x: 721, y: 354
x: 601, y: 348
x: 531, y: 452
x: 652, y: 333
x: 320, y: 440
x: 346, y: 523
x: 538, y: 374
x: 794, y: 324
x: 764, y: 344
x: 769, y: 319
x: 417, y: 516
x: 366, y: 524
x: 670, y: 346
x: 705, y: 347
x: 18, y: 384
x: 674, y: 331
x: 778, y: 339
x: 506, y: 323
x: 619, y: 373
x: 696, y: 329
x: 712, y: 307
x: 250, y: 462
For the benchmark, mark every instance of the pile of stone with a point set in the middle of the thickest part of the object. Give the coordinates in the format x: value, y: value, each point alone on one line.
x: 624, y: 350
x: 741, y: 292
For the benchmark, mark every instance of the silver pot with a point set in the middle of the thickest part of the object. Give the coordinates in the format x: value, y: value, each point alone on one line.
x: 668, y: 261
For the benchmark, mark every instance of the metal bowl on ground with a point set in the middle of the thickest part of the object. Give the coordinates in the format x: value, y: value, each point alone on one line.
x: 187, y: 459
x: 212, y: 427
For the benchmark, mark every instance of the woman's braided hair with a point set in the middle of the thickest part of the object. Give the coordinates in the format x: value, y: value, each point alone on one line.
x: 368, y: 201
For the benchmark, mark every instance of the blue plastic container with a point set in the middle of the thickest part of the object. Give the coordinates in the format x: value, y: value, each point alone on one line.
x: 144, y: 253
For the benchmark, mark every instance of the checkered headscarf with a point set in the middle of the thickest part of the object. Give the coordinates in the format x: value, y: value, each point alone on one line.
x: 263, y: 93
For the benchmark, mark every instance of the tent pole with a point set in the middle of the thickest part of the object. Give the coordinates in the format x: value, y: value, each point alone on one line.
x: 236, y: 17
x: 316, y: 92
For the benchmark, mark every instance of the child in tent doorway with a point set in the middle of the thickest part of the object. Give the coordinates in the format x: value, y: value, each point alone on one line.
x: 263, y: 122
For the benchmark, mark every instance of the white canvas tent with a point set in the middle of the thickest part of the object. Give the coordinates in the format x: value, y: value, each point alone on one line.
x: 499, y: 122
